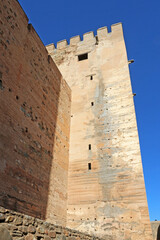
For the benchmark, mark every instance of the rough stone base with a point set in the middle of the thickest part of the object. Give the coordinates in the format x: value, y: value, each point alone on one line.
x: 24, y: 227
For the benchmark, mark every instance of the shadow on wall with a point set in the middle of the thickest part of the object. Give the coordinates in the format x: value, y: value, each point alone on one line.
x: 29, y: 94
x: 158, y: 233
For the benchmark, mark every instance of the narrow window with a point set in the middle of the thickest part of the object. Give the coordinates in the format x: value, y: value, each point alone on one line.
x: 83, y: 57
x: 1, y: 86
x: 89, y: 146
x: 89, y: 166
x: 92, y: 103
x: 91, y: 77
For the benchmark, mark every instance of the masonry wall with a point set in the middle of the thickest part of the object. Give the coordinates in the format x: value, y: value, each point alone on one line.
x: 106, y: 194
x: 155, y: 225
x: 24, y: 227
x: 34, y: 121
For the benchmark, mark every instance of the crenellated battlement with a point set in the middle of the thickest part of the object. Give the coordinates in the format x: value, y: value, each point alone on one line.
x: 102, y: 33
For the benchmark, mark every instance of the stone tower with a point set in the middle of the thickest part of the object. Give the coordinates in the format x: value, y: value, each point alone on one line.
x: 106, y: 191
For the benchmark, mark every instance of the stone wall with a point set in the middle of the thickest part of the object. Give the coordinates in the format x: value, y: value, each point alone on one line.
x: 106, y: 193
x: 34, y: 121
x: 155, y: 225
x: 23, y: 227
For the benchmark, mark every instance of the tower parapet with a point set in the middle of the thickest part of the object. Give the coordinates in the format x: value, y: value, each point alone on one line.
x: 102, y: 34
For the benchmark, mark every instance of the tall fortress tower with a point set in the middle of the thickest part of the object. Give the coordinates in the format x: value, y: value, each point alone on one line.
x: 106, y: 191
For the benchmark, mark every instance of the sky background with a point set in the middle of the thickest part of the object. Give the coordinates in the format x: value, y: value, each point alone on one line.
x: 58, y: 20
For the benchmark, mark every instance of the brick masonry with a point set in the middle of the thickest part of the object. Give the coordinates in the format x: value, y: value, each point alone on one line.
x: 23, y: 227
x: 34, y: 121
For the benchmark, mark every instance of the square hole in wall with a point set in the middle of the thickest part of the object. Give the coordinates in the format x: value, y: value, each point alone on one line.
x: 82, y: 57
x: 92, y: 103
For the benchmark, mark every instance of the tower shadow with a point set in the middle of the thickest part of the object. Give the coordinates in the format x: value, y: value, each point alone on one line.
x: 158, y: 233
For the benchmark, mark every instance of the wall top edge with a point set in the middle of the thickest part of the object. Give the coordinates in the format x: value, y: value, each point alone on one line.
x: 102, y: 33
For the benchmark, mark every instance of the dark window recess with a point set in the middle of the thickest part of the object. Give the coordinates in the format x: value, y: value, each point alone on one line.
x: 1, y: 86
x: 89, y: 166
x: 91, y: 77
x: 83, y: 57
x: 89, y: 146
x: 92, y: 103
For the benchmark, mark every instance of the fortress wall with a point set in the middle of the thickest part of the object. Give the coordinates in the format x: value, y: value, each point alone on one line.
x: 34, y: 121
x: 24, y: 227
x: 106, y: 194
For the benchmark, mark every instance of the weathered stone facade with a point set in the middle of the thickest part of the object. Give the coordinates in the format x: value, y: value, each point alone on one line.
x: 23, y: 227
x: 34, y: 121
x: 104, y: 180
x: 106, y: 191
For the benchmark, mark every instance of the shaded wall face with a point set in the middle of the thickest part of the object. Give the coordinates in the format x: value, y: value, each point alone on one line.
x: 106, y: 193
x: 156, y: 230
x: 34, y: 122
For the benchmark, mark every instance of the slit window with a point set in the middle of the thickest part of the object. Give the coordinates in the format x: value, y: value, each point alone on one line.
x: 89, y: 166
x: 92, y: 103
x: 1, y: 86
x: 91, y: 77
x: 89, y: 146
x: 82, y: 57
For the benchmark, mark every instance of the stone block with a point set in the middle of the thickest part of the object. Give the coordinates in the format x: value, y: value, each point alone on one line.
x: 52, y: 234
x: 30, y: 237
x: 31, y: 229
x: 10, y: 219
x: 17, y: 233
x: 60, y: 237
x: 4, y: 234
x: 18, y: 221
x: 41, y: 230
x: 47, y: 238
x: 2, y: 217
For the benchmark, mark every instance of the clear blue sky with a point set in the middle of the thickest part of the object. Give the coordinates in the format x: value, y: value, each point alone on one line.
x: 58, y: 20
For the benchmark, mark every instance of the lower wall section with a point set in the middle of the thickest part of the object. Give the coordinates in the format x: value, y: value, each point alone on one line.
x: 24, y: 227
x: 155, y: 225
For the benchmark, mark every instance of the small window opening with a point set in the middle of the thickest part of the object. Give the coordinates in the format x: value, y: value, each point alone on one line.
x: 89, y: 166
x: 83, y: 57
x: 17, y: 97
x: 1, y: 87
x: 92, y: 103
x: 89, y: 146
x: 91, y: 77
x: 96, y: 40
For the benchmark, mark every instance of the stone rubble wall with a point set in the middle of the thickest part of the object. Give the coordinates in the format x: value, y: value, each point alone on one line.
x: 24, y: 227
